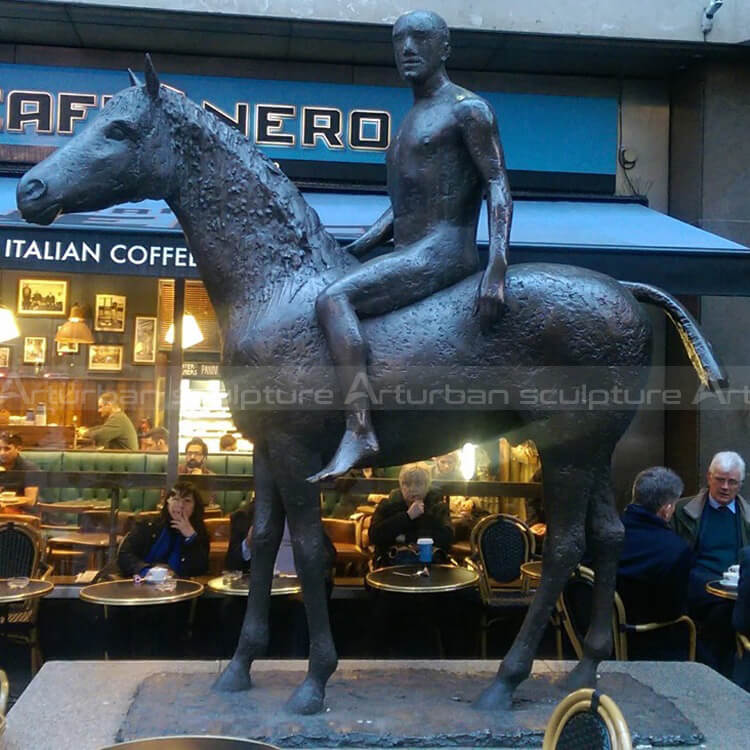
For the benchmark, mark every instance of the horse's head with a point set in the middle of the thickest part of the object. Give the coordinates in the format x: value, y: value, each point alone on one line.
x: 123, y: 155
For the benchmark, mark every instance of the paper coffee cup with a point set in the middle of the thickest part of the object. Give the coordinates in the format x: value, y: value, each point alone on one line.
x: 425, y: 549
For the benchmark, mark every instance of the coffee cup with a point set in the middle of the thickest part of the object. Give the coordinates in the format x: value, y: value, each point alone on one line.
x: 425, y: 549
x: 734, y: 570
x: 157, y: 574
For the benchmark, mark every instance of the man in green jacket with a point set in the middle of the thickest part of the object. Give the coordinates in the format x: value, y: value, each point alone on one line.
x: 118, y: 431
x: 716, y: 524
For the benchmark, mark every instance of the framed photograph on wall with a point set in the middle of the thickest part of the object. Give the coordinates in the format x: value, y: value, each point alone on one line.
x: 43, y: 297
x: 4, y: 357
x: 66, y: 348
x: 110, y: 313
x: 34, y: 350
x: 105, y: 357
x: 144, y: 341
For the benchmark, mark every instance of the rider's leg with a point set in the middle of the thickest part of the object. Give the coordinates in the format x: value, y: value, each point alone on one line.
x: 374, y: 288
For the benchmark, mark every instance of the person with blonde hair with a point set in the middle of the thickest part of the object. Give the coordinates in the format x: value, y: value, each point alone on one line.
x: 411, y: 512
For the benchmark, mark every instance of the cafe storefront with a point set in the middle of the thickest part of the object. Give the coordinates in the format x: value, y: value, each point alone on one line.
x: 128, y: 269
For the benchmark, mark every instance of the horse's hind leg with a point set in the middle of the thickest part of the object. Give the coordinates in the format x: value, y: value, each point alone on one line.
x: 268, y: 526
x: 566, y: 491
x: 604, y: 537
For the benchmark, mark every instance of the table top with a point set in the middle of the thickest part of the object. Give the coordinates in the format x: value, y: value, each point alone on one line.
x: 82, y: 539
x: 34, y: 590
x: 194, y: 743
x: 12, y: 501
x: 532, y: 570
x: 717, y: 588
x: 406, y: 579
x: 281, y: 585
x: 127, y: 593
x: 77, y: 505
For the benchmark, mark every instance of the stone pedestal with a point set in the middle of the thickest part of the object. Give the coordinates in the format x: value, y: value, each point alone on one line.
x: 82, y: 705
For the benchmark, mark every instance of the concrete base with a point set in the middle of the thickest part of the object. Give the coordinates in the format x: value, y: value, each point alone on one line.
x: 82, y: 705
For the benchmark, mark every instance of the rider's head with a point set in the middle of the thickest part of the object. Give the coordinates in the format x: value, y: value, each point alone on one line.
x: 421, y: 45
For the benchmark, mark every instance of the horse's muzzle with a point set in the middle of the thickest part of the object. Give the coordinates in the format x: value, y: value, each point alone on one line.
x: 29, y: 192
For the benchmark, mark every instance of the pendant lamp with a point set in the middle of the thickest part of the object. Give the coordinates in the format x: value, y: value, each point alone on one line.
x: 75, y: 330
x: 8, y: 326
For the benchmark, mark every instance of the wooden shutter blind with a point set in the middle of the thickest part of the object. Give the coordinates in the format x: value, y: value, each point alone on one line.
x: 198, y: 305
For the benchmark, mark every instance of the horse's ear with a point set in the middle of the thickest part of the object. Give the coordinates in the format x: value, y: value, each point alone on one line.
x: 133, y: 80
x: 152, y: 80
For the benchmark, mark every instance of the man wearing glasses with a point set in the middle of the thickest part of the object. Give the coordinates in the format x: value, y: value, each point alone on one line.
x: 716, y: 524
x: 12, y: 460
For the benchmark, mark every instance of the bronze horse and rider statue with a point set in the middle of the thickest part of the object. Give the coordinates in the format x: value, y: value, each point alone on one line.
x: 301, y: 315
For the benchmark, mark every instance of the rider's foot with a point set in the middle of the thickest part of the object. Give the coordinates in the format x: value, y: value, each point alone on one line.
x: 355, y: 448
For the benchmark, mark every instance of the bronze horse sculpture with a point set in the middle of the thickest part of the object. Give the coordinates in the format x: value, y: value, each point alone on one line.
x: 264, y: 258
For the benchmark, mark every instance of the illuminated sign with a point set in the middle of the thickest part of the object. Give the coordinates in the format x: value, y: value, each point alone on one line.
x: 313, y: 121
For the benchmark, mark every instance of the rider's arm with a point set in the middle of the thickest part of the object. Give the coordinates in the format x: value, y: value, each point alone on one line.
x: 479, y: 128
x: 381, y: 231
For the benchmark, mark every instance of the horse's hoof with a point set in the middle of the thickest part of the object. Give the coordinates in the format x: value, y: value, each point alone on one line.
x: 354, y: 450
x: 582, y: 676
x: 235, y: 678
x: 307, y: 698
x: 496, y: 697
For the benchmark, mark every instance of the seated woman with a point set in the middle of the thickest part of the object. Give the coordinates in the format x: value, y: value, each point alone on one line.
x: 177, y: 539
x: 410, y: 512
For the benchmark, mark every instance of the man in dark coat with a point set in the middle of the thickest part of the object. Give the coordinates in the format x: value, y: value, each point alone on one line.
x: 652, y: 576
x: 741, y: 619
x: 716, y: 524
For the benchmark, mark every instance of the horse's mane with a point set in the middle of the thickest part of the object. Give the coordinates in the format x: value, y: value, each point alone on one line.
x: 222, y: 155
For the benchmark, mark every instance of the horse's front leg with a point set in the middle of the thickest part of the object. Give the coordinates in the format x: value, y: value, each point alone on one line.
x: 268, y: 527
x: 293, y: 462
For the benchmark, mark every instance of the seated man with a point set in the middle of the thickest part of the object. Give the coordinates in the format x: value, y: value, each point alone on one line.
x: 410, y: 512
x: 12, y: 460
x: 196, y: 453
x: 117, y: 432
x: 741, y: 619
x: 156, y: 440
x: 652, y: 577
x: 716, y: 524
x: 445, y: 157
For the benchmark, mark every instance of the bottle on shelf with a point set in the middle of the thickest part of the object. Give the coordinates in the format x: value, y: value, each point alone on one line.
x: 40, y: 418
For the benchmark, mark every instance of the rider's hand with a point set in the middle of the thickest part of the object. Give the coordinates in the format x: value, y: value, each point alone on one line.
x: 491, y: 301
x: 416, y: 509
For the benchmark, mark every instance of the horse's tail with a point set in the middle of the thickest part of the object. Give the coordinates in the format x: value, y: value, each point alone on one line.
x: 710, y: 372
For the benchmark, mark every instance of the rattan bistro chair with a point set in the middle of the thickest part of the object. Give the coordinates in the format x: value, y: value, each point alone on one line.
x: 21, y: 555
x: 587, y: 720
x: 4, y: 693
x: 574, y: 610
x: 500, y: 544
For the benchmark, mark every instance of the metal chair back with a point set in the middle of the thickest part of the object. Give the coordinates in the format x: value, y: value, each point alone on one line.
x: 20, y: 549
x: 587, y: 720
x: 500, y: 545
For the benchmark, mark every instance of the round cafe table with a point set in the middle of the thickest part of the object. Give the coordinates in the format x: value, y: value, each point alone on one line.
x: 717, y: 588
x: 407, y: 579
x: 280, y: 586
x: 531, y: 573
x: 127, y: 593
x: 34, y: 590
x: 193, y: 743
